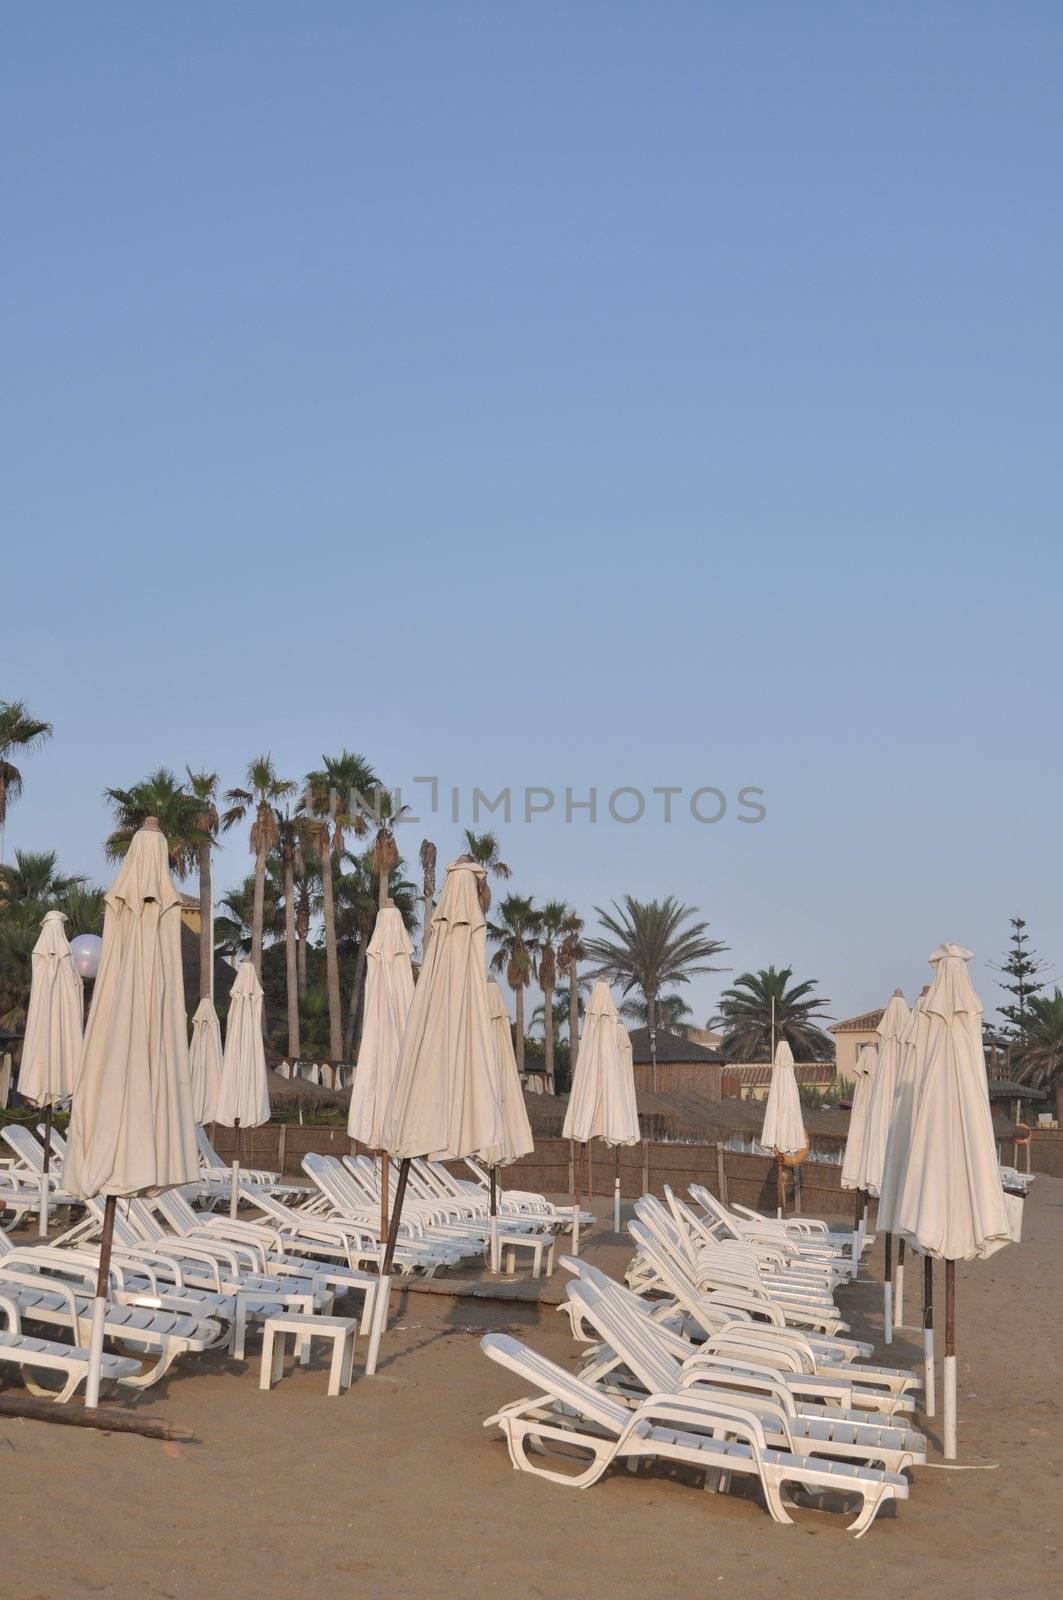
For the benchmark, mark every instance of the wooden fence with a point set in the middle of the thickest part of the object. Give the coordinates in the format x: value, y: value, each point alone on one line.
x: 814, y: 1188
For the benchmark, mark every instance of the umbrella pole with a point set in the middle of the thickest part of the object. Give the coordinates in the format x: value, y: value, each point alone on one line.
x: 99, y: 1306
x: 494, y: 1219
x: 382, y: 1291
x: 950, y: 1361
x: 385, y: 1195
x: 929, y: 1396
x: 616, y: 1189
x: 576, y: 1200
x: 856, y: 1234
x: 234, y: 1188
x: 898, y: 1287
x: 887, y: 1291
x: 780, y: 1182
x: 42, y: 1214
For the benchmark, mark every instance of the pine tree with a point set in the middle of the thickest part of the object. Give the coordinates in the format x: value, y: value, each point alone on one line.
x: 1020, y: 979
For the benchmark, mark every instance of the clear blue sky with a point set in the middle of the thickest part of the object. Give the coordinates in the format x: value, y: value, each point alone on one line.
x: 605, y: 394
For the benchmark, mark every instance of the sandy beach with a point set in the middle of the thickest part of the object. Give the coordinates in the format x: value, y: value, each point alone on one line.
x: 396, y: 1489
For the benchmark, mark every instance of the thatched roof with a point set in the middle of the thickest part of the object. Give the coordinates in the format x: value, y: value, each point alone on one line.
x: 671, y: 1047
x: 693, y: 1116
x: 300, y: 1091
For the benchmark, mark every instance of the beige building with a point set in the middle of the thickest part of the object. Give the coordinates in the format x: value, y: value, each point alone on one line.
x: 849, y: 1038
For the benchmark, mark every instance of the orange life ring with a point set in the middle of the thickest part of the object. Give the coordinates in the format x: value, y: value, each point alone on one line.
x: 796, y: 1159
x: 1023, y: 1132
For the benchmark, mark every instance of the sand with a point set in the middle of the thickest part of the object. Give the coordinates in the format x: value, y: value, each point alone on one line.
x: 397, y: 1490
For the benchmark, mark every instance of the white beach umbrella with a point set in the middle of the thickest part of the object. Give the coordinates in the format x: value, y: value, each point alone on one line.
x: 627, y: 1079
x: 911, y: 1056
x: 388, y: 997
x: 783, y: 1132
x: 204, y: 1059
x: 879, y: 1108
x: 601, y: 1103
x: 878, y: 1112
x: 131, y: 1130
x: 951, y: 1205
x: 243, y: 1094
x: 445, y: 1103
x: 852, y: 1175
x: 51, y: 1047
x: 517, y: 1139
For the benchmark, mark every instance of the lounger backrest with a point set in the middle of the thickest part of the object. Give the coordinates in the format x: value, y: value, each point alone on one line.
x: 554, y: 1381
x: 627, y: 1337
x: 24, y: 1144
x: 712, y: 1207
x: 207, y: 1153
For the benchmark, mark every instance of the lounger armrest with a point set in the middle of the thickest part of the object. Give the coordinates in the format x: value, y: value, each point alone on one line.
x: 34, y: 1280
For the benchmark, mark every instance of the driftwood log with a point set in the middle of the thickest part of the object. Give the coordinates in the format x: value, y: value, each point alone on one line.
x: 109, y: 1419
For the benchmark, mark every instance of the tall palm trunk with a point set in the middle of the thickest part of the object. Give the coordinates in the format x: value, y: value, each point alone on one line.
x: 258, y: 912
x: 548, y: 1036
x: 332, y: 960
x: 291, y: 957
x: 519, y: 1043
x: 382, y: 895
x: 353, y: 1035
x: 573, y: 1018
x: 302, y: 923
x: 206, y: 920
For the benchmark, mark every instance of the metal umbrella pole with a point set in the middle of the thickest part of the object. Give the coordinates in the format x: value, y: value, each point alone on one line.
x: 494, y: 1220
x: 382, y: 1292
x: 42, y: 1214
x: 949, y: 1384
x: 898, y: 1287
x: 385, y: 1195
x: 234, y: 1188
x: 929, y: 1393
x: 887, y: 1292
x: 99, y: 1307
x: 616, y: 1189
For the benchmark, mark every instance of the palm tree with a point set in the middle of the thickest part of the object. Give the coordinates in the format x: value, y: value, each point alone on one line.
x: 485, y: 850
x: 159, y: 795
x: 515, y: 933
x: 264, y: 791
x: 552, y: 925
x: 428, y: 871
x: 761, y: 1008
x: 332, y: 797
x: 203, y: 787
x: 308, y: 901
x: 653, y: 943
x: 82, y: 905
x: 672, y: 1011
x: 33, y: 879
x: 386, y: 857
x: 571, y: 954
x: 1042, y: 1055
x: 357, y: 905
x: 288, y: 839
x: 19, y: 730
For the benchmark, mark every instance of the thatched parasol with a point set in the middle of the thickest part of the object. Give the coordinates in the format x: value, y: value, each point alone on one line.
x: 301, y: 1092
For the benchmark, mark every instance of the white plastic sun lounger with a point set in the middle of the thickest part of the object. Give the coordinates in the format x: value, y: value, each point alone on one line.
x: 157, y: 1337
x: 567, y: 1417
x: 706, y: 1310
x: 708, y: 1273
x: 650, y: 1354
x: 32, y: 1356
